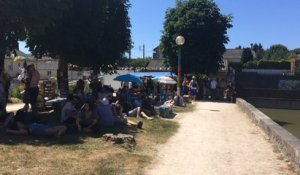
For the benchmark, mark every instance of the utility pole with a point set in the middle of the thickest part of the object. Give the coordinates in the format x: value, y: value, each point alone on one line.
x: 143, y: 51
x: 129, y: 53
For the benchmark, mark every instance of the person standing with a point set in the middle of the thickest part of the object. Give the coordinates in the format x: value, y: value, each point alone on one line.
x: 34, y: 77
x: 193, y: 87
x: 185, y: 84
x: 213, y: 88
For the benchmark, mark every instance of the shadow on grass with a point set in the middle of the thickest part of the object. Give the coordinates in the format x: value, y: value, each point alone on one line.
x: 71, y: 138
x: 68, y: 139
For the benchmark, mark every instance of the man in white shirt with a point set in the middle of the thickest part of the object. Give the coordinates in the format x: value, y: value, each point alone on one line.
x: 213, y: 87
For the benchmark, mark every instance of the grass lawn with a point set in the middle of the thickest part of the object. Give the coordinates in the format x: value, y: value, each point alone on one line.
x: 85, y: 154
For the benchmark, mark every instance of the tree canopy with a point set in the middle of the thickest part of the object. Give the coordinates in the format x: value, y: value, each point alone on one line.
x: 277, y: 51
x: 91, y: 33
x: 205, y: 31
x: 19, y: 16
x: 247, y: 55
x: 258, y: 49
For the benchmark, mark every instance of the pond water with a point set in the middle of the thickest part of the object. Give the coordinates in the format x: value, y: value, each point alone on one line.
x: 288, y: 119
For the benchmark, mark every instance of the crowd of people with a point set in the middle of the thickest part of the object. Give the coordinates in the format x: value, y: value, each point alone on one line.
x: 210, y: 88
x: 102, y: 107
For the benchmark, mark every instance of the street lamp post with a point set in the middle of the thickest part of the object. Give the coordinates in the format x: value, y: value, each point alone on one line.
x: 179, y: 41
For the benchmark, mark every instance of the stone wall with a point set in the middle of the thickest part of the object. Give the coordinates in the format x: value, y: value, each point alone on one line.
x: 287, y: 143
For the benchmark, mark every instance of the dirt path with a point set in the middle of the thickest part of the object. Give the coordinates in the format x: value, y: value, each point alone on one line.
x: 217, y: 138
x: 14, y: 107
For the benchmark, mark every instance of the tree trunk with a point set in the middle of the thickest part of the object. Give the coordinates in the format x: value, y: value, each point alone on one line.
x: 62, y: 78
x: 2, y: 58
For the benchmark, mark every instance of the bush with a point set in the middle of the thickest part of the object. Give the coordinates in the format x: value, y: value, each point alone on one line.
x: 250, y: 65
x: 14, y: 100
x: 16, y: 92
x: 273, y: 64
x: 237, y: 66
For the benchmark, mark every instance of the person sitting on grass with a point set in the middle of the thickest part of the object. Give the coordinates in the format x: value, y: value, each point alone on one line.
x: 120, y: 117
x: 35, y: 129
x: 87, y: 120
x: 146, y: 106
x: 79, y: 89
x: 69, y: 113
x: 137, y: 112
x: 104, y: 113
x: 170, y: 103
x: 5, y: 118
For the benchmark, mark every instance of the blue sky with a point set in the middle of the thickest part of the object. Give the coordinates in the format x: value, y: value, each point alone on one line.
x: 262, y: 21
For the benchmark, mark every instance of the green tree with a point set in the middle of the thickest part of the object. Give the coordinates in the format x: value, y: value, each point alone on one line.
x: 92, y: 33
x: 277, y: 51
x: 259, y: 50
x: 247, y: 55
x: 138, y: 63
x: 19, y: 16
x: 296, y: 51
x: 205, y: 31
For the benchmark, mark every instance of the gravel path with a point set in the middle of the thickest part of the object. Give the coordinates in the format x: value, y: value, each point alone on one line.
x: 217, y: 138
x: 14, y: 107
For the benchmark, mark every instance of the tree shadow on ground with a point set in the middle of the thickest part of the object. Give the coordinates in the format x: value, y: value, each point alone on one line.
x: 68, y: 139
x: 71, y: 138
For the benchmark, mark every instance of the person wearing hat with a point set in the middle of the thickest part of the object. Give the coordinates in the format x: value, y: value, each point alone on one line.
x: 34, y: 78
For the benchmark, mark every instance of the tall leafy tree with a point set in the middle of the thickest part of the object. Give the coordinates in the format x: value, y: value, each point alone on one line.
x: 277, y: 51
x: 296, y: 51
x: 205, y: 31
x: 19, y: 16
x: 92, y: 33
x: 258, y: 49
x: 247, y: 55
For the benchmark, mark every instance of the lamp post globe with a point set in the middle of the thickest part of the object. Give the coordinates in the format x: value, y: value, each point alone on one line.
x: 179, y: 41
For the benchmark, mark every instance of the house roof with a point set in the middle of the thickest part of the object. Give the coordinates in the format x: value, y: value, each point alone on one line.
x: 235, y: 54
x: 22, y: 54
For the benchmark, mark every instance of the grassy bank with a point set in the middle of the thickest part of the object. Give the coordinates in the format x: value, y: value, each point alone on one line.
x: 84, y: 154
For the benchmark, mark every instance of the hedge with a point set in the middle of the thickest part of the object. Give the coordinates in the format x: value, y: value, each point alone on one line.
x: 261, y: 64
x: 266, y: 64
x: 237, y: 66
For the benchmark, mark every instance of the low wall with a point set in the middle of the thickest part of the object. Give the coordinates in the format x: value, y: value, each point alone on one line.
x: 287, y: 143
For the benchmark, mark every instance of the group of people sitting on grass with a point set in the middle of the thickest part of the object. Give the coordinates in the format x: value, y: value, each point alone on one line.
x: 84, y: 113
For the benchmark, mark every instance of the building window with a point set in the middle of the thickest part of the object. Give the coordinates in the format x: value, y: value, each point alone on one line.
x: 49, y: 73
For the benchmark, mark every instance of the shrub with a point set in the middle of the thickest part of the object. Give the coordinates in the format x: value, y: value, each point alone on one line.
x: 16, y: 92
x: 274, y: 64
x: 237, y: 66
x: 14, y: 100
x: 250, y: 65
